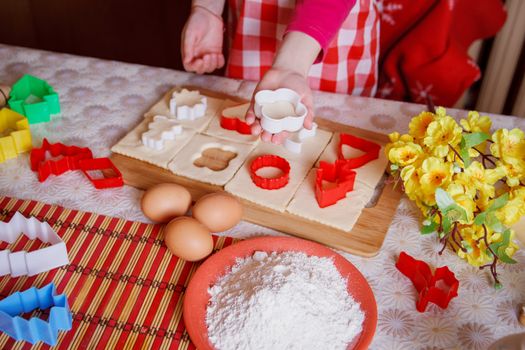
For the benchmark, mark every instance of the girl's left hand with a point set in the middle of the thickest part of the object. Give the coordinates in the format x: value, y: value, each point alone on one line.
x: 276, y: 78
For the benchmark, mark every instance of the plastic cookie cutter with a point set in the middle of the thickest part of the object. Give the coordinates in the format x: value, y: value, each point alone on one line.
x: 231, y: 119
x: 280, y: 110
x: 270, y: 161
x: 34, y: 98
x: 19, y: 138
x: 438, y: 288
x: 159, y: 131
x: 31, y: 263
x: 370, y: 148
x: 104, y: 166
x: 35, y: 329
x: 294, y: 143
x: 342, y: 178
x: 188, y: 105
x: 69, y: 157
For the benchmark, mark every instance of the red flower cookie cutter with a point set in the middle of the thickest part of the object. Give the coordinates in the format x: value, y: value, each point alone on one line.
x: 370, y: 148
x: 438, y: 288
x: 70, y: 157
x: 270, y: 160
x: 101, y: 164
x: 338, y: 173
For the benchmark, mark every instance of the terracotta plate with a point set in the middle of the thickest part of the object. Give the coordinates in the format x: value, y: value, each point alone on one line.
x: 197, y: 296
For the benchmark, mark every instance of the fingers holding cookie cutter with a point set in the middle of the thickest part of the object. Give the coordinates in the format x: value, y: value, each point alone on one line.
x: 280, y: 110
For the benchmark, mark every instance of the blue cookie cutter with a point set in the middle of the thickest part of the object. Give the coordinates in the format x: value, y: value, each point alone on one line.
x: 35, y: 329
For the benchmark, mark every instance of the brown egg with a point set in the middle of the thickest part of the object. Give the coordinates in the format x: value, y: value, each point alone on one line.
x: 188, y: 239
x: 218, y: 211
x: 163, y: 202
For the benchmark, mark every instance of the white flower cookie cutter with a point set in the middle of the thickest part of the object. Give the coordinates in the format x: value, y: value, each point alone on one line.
x: 31, y: 263
x: 159, y: 131
x: 280, y: 110
x: 188, y: 104
x: 294, y: 143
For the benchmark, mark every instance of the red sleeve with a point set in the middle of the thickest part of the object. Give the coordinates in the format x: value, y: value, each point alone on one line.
x: 320, y: 19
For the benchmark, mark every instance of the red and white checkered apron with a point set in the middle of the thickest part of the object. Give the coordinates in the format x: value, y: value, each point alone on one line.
x: 349, y: 66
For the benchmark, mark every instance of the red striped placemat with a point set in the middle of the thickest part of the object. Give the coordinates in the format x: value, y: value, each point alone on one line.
x: 124, y: 288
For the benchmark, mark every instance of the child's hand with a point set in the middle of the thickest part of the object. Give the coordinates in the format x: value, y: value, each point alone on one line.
x: 202, y: 39
x: 276, y: 78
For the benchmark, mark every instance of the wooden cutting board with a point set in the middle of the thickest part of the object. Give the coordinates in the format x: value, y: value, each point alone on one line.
x: 365, y: 239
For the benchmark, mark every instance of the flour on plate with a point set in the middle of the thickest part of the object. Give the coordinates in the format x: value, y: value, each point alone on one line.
x: 282, y: 301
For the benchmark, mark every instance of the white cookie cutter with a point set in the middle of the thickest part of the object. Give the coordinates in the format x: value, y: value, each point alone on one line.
x: 294, y: 143
x: 290, y: 123
x: 23, y: 263
x: 159, y: 131
x: 188, y: 105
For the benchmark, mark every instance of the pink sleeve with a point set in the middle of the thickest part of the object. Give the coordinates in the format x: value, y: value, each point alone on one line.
x: 320, y: 19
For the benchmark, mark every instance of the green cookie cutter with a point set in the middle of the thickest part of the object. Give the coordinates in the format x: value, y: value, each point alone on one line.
x: 34, y: 98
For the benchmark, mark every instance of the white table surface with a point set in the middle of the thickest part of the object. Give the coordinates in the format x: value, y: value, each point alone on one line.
x: 102, y: 100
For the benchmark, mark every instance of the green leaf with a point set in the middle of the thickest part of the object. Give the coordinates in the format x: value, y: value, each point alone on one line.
x: 394, y: 167
x: 447, y: 224
x: 474, y: 139
x: 499, y: 248
x: 429, y: 228
x: 463, y: 152
x: 467, y: 246
x: 499, y: 202
x: 480, y: 218
x: 443, y: 200
x: 456, y: 213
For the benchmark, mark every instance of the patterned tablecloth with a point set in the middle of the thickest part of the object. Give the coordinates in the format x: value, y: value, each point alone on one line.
x: 102, y: 100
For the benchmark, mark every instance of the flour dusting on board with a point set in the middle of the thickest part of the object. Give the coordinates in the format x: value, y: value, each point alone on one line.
x: 282, y: 301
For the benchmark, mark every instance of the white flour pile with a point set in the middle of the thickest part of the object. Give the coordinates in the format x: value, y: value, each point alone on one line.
x: 282, y: 301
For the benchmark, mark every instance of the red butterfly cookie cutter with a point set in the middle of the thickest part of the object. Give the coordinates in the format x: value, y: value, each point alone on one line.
x: 235, y: 124
x: 370, y: 148
x: 101, y: 164
x: 273, y: 161
x: 70, y: 157
x: 438, y: 288
x: 338, y: 173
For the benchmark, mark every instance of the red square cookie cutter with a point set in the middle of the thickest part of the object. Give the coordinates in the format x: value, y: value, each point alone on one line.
x: 101, y: 164
x: 273, y: 161
x: 338, y: 173
x: 70, y: 158
x: 438, y: 288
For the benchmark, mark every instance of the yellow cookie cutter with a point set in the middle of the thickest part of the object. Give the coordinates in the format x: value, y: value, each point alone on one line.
x: 15, y: 136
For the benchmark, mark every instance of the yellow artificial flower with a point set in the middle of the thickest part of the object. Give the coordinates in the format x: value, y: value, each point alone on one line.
x: 434, y: 173
x: 397, y: 140
x: 419, y: 124
x: 475, y: 123
x: 405, y: 155
x: 476, y: 254
x: 463, y: 199
x: 508, y: 144
x: 410, y: 177
x: 441, y: 134
x: 514, y: 170
x: 512, y: 212
x: 477, y: 178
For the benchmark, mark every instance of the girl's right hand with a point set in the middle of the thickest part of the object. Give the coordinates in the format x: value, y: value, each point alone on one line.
x: 202, y: 39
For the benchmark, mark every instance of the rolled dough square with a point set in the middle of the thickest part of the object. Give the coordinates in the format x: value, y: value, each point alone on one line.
x: 131, y: 145
x: 215, y: 129
x: 369, y: 174
x: 183, y: 163
x: 343, y: 215
x: 162, y: 107
x: 241, y: 185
